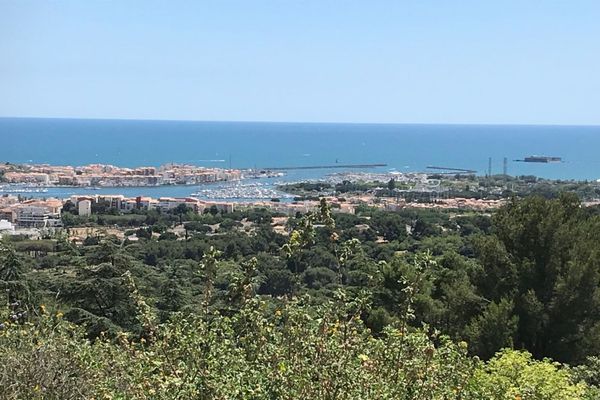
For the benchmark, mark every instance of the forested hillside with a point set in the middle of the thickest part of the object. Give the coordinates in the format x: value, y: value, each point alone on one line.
x: 415, y: 304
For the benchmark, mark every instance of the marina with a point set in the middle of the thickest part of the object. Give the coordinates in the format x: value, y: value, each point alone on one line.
x: 375, y: 165
x: 243, y: 192
x: 14, y: 189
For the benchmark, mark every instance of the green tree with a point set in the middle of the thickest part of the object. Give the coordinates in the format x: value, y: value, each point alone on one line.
x: 12, y: 275
x: 391, y: 185
x: 180, y: 211
x: 493, y: 330
x: 543, y: 256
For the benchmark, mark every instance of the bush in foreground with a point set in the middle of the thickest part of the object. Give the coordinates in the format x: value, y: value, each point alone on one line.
x: 295, y: 351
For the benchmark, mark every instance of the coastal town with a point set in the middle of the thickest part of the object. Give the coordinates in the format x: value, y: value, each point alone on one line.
x: 309, y: 200
x: 32, y: 217
x: 104, y: 175
x: 345, y: 192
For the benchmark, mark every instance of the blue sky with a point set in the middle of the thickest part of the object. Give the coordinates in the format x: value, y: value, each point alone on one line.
x: 525, y: 61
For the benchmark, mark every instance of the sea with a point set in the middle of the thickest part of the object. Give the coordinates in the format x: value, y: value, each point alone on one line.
x: 403, y: 147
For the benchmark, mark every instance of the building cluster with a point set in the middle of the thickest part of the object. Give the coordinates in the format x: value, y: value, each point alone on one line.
x: 47, y: 213
x: 29, y: 213
x: 292, y: 208
x: 396, y: 204
x: 17, y: 216
x: 85, y: 204
x: 460, y: 203
x: 110, y: 175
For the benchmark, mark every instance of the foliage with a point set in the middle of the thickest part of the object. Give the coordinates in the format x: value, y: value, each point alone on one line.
x: 546, y: 262
x: 319, y: 311
x: 515, y: 375
x: 293, y: 351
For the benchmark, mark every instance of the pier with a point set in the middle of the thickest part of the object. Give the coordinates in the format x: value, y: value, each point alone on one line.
x: 466, y: 171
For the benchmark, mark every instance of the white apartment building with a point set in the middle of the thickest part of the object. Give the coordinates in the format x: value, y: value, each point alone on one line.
x: 85, y: 208
x: 35, y: 216
x: 6, y: 226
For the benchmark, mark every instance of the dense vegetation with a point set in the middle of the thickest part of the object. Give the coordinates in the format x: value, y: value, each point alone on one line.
x: 410, y: 304
x: 450, y: 186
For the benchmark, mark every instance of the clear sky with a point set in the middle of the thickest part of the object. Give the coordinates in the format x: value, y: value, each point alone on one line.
x: 419, y: 61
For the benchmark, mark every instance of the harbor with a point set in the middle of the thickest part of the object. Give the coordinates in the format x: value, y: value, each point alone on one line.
x: 347, y: 166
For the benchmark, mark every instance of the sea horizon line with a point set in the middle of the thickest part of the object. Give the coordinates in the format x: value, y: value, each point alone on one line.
x: 275, y: 122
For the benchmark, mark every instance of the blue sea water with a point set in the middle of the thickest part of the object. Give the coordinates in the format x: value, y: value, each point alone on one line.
x: 404, y: 147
